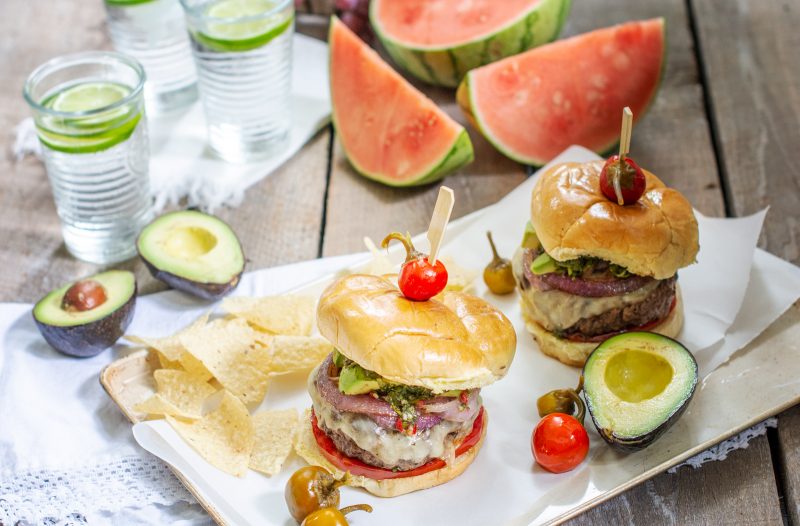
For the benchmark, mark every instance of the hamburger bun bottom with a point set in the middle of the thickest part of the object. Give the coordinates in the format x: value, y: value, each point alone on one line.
x: 575, y: 353
x: 307, y: 448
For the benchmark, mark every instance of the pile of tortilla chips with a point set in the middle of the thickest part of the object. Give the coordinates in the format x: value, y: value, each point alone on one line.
x: 234, y: 356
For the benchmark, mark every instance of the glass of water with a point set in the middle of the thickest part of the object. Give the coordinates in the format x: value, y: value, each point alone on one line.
x: 154, y: 33
x: 90, y: 119
x: 243, y: 53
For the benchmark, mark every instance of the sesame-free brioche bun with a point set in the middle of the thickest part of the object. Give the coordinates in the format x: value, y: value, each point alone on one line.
x: 575, y: 353
x: 306, y: 446
x: 456, y: 342
x: 653, y: 237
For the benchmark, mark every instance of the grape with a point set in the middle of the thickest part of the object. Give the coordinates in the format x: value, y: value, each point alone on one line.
x: 355, y: 15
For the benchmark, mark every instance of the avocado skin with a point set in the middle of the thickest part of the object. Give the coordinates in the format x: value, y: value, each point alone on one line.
x: 628, y: 445
x: 89, y: 339
x: 632, y: 444
x: 206, y: 291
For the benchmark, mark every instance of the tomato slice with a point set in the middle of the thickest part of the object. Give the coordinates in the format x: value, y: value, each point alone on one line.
x: 603, y: 337
x: 357, y: 467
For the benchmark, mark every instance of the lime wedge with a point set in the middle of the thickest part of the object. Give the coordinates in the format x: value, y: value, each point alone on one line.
x: 243, y: 35
x: 88, y: 96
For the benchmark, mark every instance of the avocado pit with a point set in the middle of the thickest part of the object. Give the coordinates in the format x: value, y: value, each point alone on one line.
x: 84, y: 295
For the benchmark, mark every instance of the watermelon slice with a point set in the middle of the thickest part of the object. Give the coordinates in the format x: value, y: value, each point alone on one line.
x: 390, y: 131
x: 438, y: 41
x: 533, y: 105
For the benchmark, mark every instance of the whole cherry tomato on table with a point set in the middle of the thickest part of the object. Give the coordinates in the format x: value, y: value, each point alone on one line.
x: 419, y: 280
x: 559, y: 442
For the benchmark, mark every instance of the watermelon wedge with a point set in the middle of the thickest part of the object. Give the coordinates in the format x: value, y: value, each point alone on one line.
x: 533, y: 105
x: 390, y: 131
x: 438, y: 41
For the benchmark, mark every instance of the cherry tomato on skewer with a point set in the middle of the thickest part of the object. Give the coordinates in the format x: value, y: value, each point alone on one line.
x: 419, y: 280
x: 622, y: 182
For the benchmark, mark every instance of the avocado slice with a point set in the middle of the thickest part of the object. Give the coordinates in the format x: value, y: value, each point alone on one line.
x: 87, y: 316
x: 636, y: 385
x: 529, y: 237
x: 355, y: 380
x: 543, y: 264
x: 194, y: 252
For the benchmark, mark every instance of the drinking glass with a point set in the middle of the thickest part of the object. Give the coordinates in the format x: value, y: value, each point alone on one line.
x: 90, y: 119
x: 243, y: 53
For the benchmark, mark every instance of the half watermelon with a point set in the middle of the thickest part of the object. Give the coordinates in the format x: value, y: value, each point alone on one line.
x: 390, y: 131
x: 534, y: 105
x: 438, y: 41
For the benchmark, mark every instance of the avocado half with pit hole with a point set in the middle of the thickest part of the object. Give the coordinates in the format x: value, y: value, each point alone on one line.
x: 87, y: 316
x: 636, y: 385
x: 193, y: 252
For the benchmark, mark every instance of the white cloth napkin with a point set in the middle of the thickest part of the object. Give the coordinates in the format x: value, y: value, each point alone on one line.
x: 179, y: 164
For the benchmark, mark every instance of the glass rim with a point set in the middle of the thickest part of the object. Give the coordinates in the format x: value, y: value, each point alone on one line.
x: 197, y: 11
x: 62, y: 61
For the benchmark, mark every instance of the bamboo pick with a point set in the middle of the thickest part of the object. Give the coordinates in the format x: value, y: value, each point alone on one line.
x: 439, y: 220
x: 624, y: 149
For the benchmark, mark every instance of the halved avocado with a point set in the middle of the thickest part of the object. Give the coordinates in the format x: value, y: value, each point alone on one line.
x: 193, y: 252
x: 636, y: 385
x: 80, y: 325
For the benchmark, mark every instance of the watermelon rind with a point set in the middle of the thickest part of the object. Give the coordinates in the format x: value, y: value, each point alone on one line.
x: 460, y: 153
x: 465, y: 100
x: 447, y: 66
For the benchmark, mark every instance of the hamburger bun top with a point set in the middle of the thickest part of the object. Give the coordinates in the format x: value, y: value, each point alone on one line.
x: 653, y: 237
x: 457, y: 341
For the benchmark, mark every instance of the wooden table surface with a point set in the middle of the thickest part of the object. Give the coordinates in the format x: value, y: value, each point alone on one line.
x: 723, y: 129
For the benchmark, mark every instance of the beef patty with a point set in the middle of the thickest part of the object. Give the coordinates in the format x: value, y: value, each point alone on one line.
x: 654, y: 307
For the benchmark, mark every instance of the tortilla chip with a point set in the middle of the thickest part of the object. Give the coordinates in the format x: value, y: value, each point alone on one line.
x: 305, y: 445
x: 458, y: 278
x: 287, y: 314
x: 232, y: 352
x: 274, y: 435
x: 224, y: 437
x: 169, y: 346
x: 157, y: 406
x: 165, y: 362
x: 195, y: 367
x: 296, y: 353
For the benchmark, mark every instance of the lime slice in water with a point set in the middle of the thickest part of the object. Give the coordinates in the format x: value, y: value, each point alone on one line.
x: 88, y: 96
x: 246, y: 34
x: 93, y: 133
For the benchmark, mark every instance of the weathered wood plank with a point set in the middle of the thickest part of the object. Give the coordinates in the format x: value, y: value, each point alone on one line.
x: 278, y: 222
x: 753, y: 79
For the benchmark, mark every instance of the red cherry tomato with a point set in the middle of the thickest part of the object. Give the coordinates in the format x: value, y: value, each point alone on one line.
x: 631, y: 180
x: 559, y: 443
x: 418, y: 280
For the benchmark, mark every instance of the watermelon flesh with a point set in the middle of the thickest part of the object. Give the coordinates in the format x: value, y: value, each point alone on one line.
x: 390, y: 131
x: 438, y: 41
x: 534, y: 105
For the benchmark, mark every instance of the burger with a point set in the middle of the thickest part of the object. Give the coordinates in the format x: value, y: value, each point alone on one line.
x: 397, y: 404
x: 589, y: 268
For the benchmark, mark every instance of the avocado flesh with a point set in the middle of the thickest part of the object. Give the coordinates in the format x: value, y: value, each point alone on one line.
x: 529, y: 237
x: 543, y: 264
x: 87, y: 333
x: 193, y: 252
x: 636, y: 386
x: 355, y: 380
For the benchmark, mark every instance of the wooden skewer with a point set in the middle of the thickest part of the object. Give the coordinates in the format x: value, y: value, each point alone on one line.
x: 625, y: 134
x: 624, y: 148
x: 439, y: 220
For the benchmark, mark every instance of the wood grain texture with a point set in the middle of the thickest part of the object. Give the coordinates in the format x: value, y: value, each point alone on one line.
x: 278, y: 222
x: 789, y: 451
x: 752, y: 71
